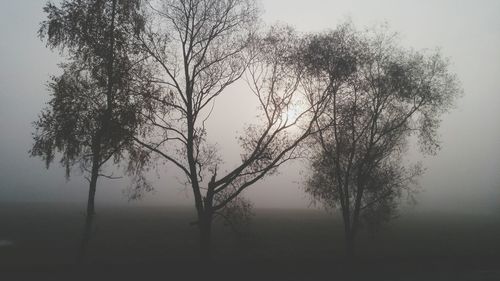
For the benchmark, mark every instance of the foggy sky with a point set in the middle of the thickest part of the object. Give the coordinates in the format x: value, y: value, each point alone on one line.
x: 464, y: 176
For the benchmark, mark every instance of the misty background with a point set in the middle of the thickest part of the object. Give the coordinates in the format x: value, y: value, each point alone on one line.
x: 463, y: 177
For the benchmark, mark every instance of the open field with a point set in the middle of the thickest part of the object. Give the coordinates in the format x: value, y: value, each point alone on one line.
x: 302, y: 243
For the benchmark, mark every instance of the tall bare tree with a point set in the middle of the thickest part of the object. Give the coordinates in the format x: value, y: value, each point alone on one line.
x: 200, y: 48
x: 92, y: 115
x: 388, y: 95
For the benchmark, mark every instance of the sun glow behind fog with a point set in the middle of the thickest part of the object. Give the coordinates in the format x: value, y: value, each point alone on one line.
x: 297, y: 112
x: 294, y: 112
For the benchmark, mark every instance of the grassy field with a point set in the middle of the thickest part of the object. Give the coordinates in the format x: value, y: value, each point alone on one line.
x: 47, y: 236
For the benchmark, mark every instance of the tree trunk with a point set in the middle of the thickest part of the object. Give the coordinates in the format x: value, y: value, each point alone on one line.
x: 349, y: 234
x: 89, y: 218
x: 354, y: 223
x: 205, y: 227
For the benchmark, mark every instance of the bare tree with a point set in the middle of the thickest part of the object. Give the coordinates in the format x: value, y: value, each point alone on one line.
x: 387, y: 95
x: 201, y: 47
x: 92, y: 115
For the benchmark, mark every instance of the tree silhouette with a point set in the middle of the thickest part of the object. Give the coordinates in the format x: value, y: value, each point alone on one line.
x: 386, y: 94
x: 200, y: 48
x: 92, y: 115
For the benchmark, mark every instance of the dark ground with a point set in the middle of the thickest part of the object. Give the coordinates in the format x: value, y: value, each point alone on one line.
x: 158, y: 243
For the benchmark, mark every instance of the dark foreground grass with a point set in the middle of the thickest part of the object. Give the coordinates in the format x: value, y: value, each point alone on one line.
x: 159, y: 243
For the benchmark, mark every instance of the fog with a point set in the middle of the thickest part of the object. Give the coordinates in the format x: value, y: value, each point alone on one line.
x: 463, y: 177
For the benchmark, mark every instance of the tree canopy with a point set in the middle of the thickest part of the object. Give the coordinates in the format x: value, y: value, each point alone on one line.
x: 93, y: 113
x: 386, y: 95
x: 199, y: 49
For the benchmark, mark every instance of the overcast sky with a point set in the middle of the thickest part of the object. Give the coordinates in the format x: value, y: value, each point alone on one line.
x: 464, y: 176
